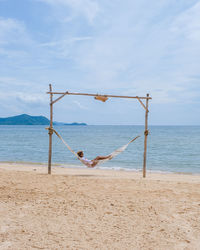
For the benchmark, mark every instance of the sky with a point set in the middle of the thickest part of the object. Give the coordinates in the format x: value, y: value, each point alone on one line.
x: 130, y: 47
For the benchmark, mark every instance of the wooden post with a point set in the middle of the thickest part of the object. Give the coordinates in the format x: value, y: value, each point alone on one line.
x: 50, y: 131
x: 145, y: 137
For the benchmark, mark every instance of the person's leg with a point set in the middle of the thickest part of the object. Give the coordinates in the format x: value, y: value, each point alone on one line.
x: 94, y: 163
x: 102, y: 157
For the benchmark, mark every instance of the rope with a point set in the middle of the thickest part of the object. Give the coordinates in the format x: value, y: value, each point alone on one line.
x: 51, y: 130
x: 113, y: 154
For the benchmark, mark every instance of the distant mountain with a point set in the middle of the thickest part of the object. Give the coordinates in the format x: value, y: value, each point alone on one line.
x: 76, y: 124
x: 69, y: 124
x: 32, y: 120
x: 24, y: 120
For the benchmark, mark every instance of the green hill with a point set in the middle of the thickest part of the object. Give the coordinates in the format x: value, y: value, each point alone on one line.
x: 24, y: 120
x: 32, y: 120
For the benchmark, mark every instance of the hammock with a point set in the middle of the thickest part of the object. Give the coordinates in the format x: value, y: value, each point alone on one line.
x: 112, y: 155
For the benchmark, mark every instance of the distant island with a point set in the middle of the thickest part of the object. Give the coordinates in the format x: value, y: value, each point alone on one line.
x: 71, y: 124
x: 25, y: 119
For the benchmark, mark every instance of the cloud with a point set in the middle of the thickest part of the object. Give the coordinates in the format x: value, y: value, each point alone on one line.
x: 187, y: 24
x: 24, y: 97
x: 80, y: 105
x: 33, y: 98
x: 15, y: 89
x: 109, y: 47
x: 64, y: 48
x: 86, y: 8
x: 15, y: 44
x: 12, y: 31
x: 23, y: 102
x: 143, y: 53
x: 65, y: 42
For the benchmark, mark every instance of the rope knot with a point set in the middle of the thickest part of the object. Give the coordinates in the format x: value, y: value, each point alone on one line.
x: 50, y: 130
x: 146, y: 132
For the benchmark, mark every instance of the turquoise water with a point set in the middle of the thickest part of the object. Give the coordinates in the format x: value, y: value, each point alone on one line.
x: 170, y: 148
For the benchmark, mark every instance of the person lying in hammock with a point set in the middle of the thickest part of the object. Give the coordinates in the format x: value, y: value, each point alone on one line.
x: 91, y: 163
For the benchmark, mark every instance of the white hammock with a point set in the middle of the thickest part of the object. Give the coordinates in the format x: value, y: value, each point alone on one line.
x: 112, y: 155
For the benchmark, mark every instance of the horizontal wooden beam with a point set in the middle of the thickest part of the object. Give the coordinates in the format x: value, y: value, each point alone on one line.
x: 86, y: 94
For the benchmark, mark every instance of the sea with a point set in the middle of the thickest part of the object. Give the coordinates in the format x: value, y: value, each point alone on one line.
x: 170, y: 148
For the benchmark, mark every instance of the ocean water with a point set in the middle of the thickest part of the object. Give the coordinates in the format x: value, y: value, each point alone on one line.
x: 170, y: 148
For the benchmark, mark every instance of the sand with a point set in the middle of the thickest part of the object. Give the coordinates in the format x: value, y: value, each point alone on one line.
x: 97, y: 209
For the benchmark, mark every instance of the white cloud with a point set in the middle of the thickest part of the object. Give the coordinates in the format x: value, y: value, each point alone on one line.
x: 65, y: 42
x: 11, y: 31
x: 187, y: 23
x: 11, y: 83
x: 12, y: 88
x: 113, y: 47
x: 77, y: 103
x: 143, y: 52
x: 15, y: 43
x: 64, y: 48
x: 33, y: 98
x: 24, y: 97
x: 86, y: 8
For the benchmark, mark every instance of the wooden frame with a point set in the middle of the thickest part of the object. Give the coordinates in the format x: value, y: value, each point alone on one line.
x: 62, y: 94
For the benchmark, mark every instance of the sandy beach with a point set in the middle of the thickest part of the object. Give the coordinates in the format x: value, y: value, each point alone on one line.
x: 97, y: 209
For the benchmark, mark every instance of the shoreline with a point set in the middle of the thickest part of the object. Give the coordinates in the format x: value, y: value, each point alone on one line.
x: 75, y: 166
